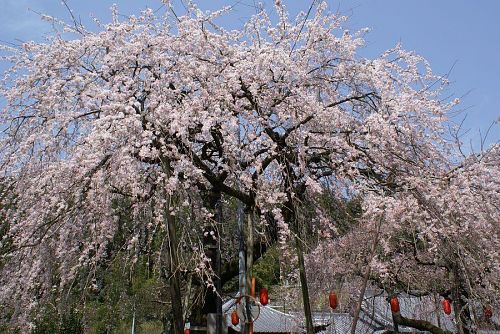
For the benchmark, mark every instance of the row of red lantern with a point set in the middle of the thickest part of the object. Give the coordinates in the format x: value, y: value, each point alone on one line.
x: 333, y: 301
x: 394, y: 302
x: 446, y: 303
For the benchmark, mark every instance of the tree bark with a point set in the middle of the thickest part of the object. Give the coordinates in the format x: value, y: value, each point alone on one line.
x: 303, y: 284
x: 173, y: 263
x: 462, y: 312
x: 211, y: 297
x: 460, y: 298
x: 290, y: 216
x: 365, y: 279
x: 174, y: 275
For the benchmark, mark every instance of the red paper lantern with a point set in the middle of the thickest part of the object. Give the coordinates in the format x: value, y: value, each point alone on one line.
x: 332, y: 298
x: 187, y: 331
x: 263, y: 296
x: 446, y: 305
x: 394, y: 305
x: 488, y: 311
x: 234, y: 318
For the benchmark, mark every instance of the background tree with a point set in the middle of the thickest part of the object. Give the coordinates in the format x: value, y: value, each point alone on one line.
x: 439, y: 238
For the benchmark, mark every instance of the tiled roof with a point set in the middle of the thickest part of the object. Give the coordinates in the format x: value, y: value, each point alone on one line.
x: 340, y: 323
x: 376, y: 317
x: 269, y: 321
x: 376, y: 310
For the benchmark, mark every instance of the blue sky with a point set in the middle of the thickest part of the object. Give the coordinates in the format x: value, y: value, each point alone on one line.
x: 458, y: 35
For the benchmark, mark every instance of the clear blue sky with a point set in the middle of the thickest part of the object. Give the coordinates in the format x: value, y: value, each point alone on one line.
x: 459, y: 34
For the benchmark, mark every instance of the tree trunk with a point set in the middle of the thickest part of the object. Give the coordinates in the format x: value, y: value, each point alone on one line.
x: 462, y: 313
x: 296, y: 192
x: 174, y: 279
x: 303, y: 283
x: 212, y: 303
x: 365, y: 280
x: 290, y: 215
x: 173, y: 263
x: 460, y: 303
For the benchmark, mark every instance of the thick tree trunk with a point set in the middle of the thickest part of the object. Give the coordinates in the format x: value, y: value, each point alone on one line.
x: 460, y: 298
x: 175, y: 287
x: 174, y: 279
x: 174, y: 274
x: 365, y: 280
x: 296, y: 192
x: 303, y: 284
x: 212, y: 303
x: 290, y: 215
x: 462, y: 313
